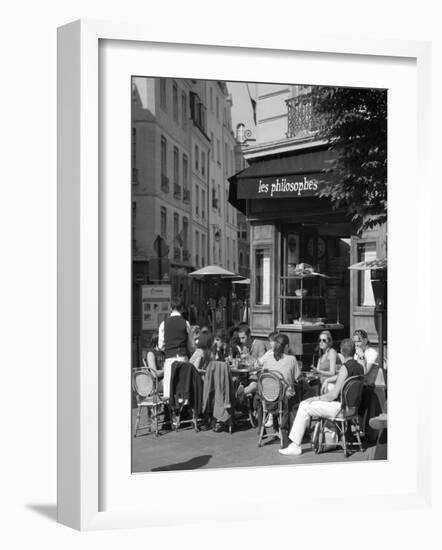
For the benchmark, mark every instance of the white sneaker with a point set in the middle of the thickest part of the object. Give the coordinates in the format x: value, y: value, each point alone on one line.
x: 291, y: 450
x: 269, y: 421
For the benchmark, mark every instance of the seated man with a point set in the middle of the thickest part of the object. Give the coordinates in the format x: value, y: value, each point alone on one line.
x: 326, y: 405
x: 249, y: 351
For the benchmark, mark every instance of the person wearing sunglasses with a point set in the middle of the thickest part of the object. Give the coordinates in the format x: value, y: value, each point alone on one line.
x: 328, y: 362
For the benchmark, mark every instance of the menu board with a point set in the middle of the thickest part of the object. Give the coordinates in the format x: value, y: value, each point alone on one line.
x: 155, y: 305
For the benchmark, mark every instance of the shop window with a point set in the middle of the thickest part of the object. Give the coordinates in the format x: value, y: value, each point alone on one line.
x: 262, y: 276
x: 301, y: 294
x: 366, y: 252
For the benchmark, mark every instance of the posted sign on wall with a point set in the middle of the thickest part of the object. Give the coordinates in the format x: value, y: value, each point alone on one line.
x: 155, y: 305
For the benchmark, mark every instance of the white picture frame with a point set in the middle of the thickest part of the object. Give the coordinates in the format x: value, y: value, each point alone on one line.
x: 82, y: 295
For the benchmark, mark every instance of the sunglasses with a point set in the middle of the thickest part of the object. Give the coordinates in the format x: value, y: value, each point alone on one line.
x: 323, y: 340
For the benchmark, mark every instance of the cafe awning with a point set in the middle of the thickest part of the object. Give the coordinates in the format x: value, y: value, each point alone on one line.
x: 295, y: 175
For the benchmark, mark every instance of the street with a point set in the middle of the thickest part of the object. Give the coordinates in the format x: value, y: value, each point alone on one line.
x: 187, y: 450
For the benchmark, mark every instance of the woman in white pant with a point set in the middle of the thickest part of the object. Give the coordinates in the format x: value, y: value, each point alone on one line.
x: 326, y: 405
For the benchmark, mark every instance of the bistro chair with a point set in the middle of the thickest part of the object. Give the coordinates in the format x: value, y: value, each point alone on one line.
x: 271, y: 392
x: 145, y: 387
x: 350, y: 398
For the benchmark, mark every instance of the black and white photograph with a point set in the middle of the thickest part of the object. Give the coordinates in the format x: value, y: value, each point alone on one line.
x: 259, y: 262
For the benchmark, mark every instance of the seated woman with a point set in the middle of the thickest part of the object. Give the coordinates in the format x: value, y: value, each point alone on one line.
x: 201, y: 356
x: 328, y: 362
x: 278, y: 360
x: 155, y: 360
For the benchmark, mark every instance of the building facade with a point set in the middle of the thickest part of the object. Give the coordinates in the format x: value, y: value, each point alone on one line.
x: 182, y: 154
x: 292, y: 227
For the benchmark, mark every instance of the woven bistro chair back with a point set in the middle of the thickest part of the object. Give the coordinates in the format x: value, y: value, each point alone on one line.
x: 351, y: 395
x: 270, y: 387
x: 144, y: 382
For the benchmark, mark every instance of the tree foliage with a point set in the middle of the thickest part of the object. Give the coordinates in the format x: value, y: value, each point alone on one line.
x: 354, y: 121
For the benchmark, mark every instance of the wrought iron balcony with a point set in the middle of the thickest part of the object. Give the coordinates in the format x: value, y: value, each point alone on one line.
x: 301, y: 118
x: 164, y: 183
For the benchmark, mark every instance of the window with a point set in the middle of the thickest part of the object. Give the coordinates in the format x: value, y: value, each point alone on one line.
x: 197, y: 159
x: 227, y: 207
x: 228, y: 255
x: 203, y: 249
x: 197, y: 200
x: 214, y: 199
x: 176, y: 174
x: 163, y: 94
x: 366, y: 252
x: 212, y: 146
x: 164, y: 178
x: 134, y: 157
x: 220, y: 254
x: 217, y: 108
x: 219, y: 198
x: 262, y: 276
x: 226, y: 159
x: 176, y: 224
x: 203, y: 163
x: 184, y: 108
x: 218, y: 151
x: 197, y: 247
x: 175, y: 101
x: 294, y: 305
x: 203, y: 204
x: 241, y: 259
x: 163, y: 220
x: 211, y: 99
x: 186, y: 193
x: 185, y: 233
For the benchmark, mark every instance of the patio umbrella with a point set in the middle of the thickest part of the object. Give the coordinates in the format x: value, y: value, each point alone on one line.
x: 376, y: 263
x: 243, y: 282
x: 214, y: 271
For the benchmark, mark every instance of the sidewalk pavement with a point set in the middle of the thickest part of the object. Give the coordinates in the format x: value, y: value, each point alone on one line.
x: 190, y: 450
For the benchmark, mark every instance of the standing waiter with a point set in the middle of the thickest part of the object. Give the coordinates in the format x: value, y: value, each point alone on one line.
x: 175, y: 339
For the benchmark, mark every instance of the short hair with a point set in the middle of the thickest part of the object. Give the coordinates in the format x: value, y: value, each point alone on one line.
x: 347, y: 347
x: 272, y: 336
x: 360, y: 332
x: 176, y: 303
x: 205, y: 330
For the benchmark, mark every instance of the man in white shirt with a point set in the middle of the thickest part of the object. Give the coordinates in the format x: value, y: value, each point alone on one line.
x: 175, y: 339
